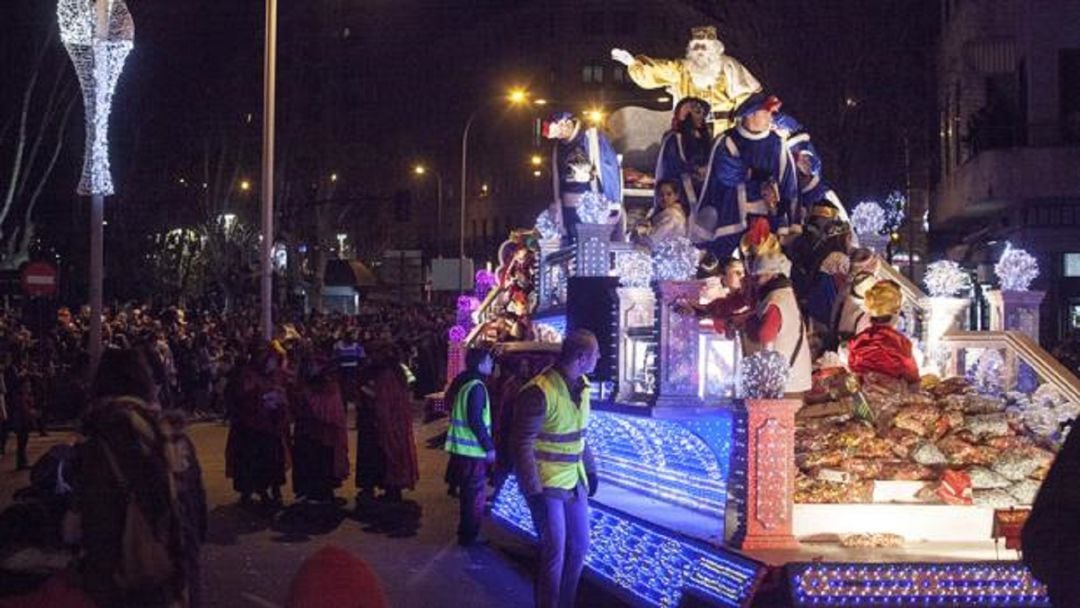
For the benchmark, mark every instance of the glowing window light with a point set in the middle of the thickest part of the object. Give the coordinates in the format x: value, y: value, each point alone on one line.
x: 98, y: 38
x: 915, y: 584
x: 657, y: 567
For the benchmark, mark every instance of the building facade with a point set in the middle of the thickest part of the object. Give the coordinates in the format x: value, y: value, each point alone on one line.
x: 1009, y: 107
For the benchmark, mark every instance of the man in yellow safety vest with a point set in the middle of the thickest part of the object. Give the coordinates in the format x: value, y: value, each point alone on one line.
x: 469, y: 442
x: 555, y: 469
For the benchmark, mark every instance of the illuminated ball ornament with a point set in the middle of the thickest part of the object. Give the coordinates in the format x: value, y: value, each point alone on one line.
x: 868, y: 218
x: 946, y: 279
x: 764, y: 375
x: 1016, y: 269
x: 675, y: 259
x: 98, y: 37
x: 634, y: 269
x: 594, y: 208
x: 457, y: 334
x: 547, y: 226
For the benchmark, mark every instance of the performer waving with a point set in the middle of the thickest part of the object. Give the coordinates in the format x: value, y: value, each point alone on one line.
x: 582, y: 161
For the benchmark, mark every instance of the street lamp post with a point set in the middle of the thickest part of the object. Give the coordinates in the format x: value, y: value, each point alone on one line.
x: 515, y: 97
x: 266, y: 278
x: 98, y: 38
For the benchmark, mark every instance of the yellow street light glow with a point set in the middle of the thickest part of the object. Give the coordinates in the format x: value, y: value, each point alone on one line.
x: 595, y: 116
x: 333, y: 177
x: 484, y: 188
x: 540, y: 102
x: 537, y: 173
x: 419, y: 169
x: 517, y: 96
x: 536, y: 160
x: 245, y: 185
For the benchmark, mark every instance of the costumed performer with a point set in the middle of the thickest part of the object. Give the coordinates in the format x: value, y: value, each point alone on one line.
x: 684, y: 151
x: 813, y: 188
x: 777, y: 322
x: 850, y: 316
x: 706, y: 73
x: 750, y: 174
x: 320, y: 432
x: 880, y: 348
x: 582, y: 161
x: 667, y: 221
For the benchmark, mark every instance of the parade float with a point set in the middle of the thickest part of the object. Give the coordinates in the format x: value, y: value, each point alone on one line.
x: 716, y: 490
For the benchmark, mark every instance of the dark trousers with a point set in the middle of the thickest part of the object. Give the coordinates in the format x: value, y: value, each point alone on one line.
x: 470, y: 474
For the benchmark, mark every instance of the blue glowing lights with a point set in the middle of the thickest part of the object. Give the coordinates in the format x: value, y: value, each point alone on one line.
x: 648, y: 565
x: 915, y: 584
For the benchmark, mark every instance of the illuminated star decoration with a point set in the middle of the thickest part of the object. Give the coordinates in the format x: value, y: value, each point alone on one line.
x: 764, y: 375
x: 945, y: 279
x: 868, y: 217
x: 675, y: 259
x: 546, y: 226
x: 1016, y: 269
x: 98, y: 36
x: 593, y: 208
x: 634, y: 269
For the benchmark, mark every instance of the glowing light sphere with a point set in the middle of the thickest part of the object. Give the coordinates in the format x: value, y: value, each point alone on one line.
x: 764, y: 375
x: 945, y: 279
x: 457, y: 334
x: 1016, y: 269
x: 547, y: 226
x: 485, y: 282
x: 98, y: 37
x: 868, y: 217
x: 634, y: 269
x: 675, y: 259
x: 594, y: 208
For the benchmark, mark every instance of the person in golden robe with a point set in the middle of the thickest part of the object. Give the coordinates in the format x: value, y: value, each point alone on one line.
x: 706, y: 73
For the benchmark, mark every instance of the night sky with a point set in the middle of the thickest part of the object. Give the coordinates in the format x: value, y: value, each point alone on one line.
x: 188, y: 104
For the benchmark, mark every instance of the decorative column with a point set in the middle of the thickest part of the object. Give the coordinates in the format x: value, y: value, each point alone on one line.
x: 637, y: 320
x: 593, y: 250
x: 945, y: 314
x: 770, y: 474
x: 678, y: 363
x: 1015, y: 311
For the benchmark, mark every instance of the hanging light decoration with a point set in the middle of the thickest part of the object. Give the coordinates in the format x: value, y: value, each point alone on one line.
x: 868, y: 217
x: 946, y: 279
x: 98, y: 37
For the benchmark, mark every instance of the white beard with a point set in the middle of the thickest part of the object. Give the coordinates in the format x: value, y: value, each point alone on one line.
x: 704, y: 71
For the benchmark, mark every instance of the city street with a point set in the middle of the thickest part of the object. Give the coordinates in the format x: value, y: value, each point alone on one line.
x: 251, y: 554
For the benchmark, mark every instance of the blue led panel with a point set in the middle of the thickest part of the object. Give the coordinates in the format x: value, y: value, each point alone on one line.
x: 683, y: 462
x: 645, y: 564
x: 1002, y: 584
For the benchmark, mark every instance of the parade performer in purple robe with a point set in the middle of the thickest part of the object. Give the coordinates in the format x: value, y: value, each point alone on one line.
x: 751, y: 173
x: 582, y: 161
x: 684, y: 152
x: 813, y: 188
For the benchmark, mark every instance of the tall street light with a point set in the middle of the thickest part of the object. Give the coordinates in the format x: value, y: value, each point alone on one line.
x: 421, y: 171
x: 98, y: 38
x: 515, y: 97
x: 266, y: 269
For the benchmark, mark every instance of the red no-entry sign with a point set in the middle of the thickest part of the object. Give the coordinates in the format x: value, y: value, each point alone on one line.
x: 39, y: 279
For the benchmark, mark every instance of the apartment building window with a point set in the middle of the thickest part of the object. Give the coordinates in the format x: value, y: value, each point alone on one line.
x: 1071, y: 265
x: 592, y: 73
x: 618, y: 74
x: 1069, y: 87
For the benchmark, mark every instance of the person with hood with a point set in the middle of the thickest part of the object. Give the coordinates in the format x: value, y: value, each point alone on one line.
x: 320, y: 438
x: 255, y: 454
x: 386, y: 449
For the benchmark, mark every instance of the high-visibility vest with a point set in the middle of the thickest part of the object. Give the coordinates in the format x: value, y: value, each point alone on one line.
x: 460, y: 438
x: 560, y: 446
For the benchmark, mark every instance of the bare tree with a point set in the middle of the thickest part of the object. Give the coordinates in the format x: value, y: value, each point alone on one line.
x: 32, y: 141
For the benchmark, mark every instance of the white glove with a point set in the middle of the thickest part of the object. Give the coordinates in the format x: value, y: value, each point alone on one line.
x: 623, y: 57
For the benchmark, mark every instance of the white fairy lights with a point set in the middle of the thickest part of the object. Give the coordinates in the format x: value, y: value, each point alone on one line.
x: 868, y: 218
x: 946, y: 279
x: 1016, y: 269
x: 98, y: 37
x: 547, y: 226
x: 675, y: 259
x: 593, y: 208
x: 634, y: 269
x: 764, y: 375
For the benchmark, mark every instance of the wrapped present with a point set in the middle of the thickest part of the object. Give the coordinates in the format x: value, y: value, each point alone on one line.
x: 902, y: 442
x: 955, y: 488
x: 928, y: 454
x: 1024, y: 492
x: 918, y: 419
x: 906, y: 471
x: 950, y: 386
x: 987, y: 425
x: 996, y: 498
x: 862, y: 468
x: 1017, y: 465
x: 880, y: 540
x: 987, y: 479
